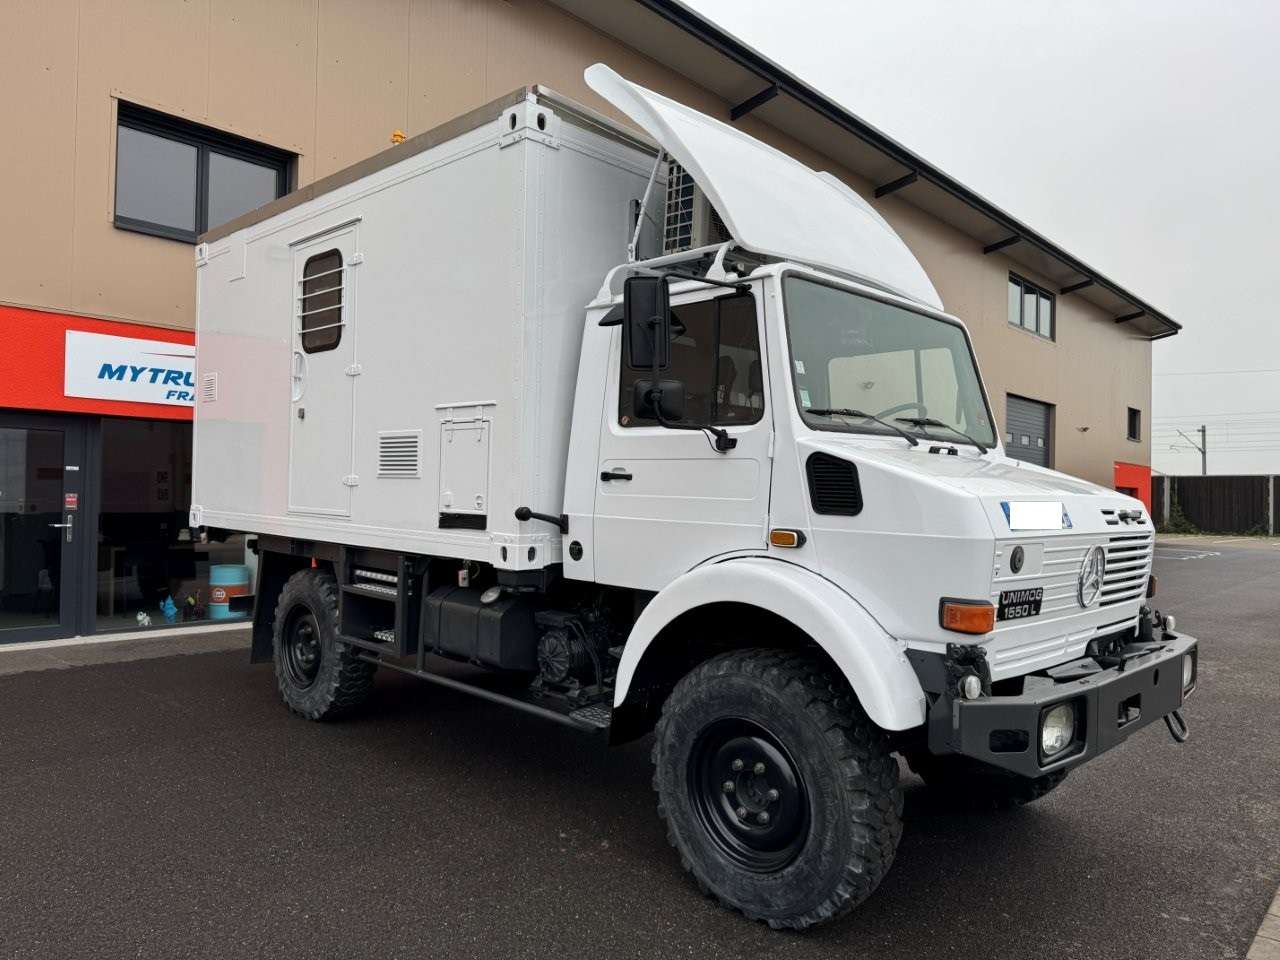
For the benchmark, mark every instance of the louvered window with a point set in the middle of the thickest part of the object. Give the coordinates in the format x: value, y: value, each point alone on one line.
x: 833, y: 486
x: 320, y: 302
x: 399, y: 453
x: 208, y: 387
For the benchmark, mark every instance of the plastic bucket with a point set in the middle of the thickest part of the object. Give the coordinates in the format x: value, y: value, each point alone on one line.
x: 226, y: 580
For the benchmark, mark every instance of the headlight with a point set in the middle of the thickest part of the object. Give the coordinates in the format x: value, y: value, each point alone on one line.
x: 1188, y: 671
x: 1057, y: 729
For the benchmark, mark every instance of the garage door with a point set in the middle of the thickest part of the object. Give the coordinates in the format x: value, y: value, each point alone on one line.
x: 1026, y: 431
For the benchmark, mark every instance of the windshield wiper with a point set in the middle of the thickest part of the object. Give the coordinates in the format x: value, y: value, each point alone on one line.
x: 846, y: 412
x: 933, y: 422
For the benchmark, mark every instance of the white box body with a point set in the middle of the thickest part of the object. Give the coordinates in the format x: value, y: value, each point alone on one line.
x: 447, y: 401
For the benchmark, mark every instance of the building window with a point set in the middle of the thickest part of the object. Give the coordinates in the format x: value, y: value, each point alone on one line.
x: 1031, y: 307
x: 1135, y: 424
x: 716, y: 355
x: 320, y: 303
x: 177, y: 179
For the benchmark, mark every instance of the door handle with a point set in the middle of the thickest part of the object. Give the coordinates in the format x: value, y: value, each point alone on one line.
x: 608, y: 475
x: 68, y: 526
x: 298, y: 375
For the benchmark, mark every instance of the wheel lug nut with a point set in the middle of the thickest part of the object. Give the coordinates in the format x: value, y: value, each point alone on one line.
x: 737, y: 766
x: 758, y: 769
x: 762, y: 817
x: 773, y: 795
x: 742, y: 813
x: 728, y: 786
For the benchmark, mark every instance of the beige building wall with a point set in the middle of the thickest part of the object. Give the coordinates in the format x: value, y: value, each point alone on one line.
x: 329, y: 80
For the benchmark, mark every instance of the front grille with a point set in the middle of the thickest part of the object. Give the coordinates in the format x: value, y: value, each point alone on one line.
x: 1125, y: 578
x: 1128, y: 566
x: 1063, y: 628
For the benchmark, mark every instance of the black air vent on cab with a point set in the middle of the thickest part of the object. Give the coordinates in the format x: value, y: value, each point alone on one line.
x: 833, y: 485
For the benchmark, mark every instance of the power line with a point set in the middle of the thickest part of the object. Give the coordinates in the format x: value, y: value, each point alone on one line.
x: 1203, y: 447
x: 1215, y: 373
x: 1201, y: 416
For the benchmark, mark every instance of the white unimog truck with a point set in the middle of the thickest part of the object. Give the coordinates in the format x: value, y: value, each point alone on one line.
x: 676, y: 434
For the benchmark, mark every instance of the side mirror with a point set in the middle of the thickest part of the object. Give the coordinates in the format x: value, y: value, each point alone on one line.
x: 646, y: 325
x: 671, y: 393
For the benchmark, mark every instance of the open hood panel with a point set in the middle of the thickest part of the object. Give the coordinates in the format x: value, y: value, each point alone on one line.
x: 768, y: 200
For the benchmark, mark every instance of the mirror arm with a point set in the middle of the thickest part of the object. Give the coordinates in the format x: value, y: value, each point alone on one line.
x: 738, y: 285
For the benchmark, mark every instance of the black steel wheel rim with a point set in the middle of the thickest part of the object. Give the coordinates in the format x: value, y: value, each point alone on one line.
x: 748, y: 795
x: 302, y: 650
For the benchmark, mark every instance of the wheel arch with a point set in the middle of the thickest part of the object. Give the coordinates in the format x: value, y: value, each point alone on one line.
x: 723, y: 606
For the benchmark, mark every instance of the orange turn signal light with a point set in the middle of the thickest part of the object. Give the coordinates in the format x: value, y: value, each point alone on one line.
x: 967, y: 616
x: 787, y: 538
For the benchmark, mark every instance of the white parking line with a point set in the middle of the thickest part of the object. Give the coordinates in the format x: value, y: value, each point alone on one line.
x: 1171, y: 553
x: 1230, y: 540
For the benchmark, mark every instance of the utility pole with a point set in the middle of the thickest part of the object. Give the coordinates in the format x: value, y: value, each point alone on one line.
x: 1202, y: 446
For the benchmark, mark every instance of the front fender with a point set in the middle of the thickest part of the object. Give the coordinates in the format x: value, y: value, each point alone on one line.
x: 871, y: 660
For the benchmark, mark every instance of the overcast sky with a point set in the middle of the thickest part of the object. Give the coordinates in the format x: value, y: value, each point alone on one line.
x: 1141, y: 135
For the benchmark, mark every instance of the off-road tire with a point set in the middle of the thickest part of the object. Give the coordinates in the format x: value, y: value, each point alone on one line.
x: 342, y: 681
x: 970, y: 784
x: 843, y: 760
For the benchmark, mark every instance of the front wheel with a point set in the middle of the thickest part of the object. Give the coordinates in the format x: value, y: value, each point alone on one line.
x: 779, y: 793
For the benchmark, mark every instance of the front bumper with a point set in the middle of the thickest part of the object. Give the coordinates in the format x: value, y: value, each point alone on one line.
x: 1111, y: 704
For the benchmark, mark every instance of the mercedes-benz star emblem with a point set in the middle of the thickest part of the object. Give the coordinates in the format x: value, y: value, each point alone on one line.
x: 1092, y: 571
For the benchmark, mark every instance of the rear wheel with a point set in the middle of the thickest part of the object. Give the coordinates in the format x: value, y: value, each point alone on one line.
x: 974, y: 785
x: 779, y: 793
x: 318, y: 675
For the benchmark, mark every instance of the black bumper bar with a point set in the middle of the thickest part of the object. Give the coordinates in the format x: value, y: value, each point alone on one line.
x: 1111, y: 703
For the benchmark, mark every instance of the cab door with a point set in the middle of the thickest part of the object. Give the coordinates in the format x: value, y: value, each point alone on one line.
x: 323, y: 375
x: 666, y: 499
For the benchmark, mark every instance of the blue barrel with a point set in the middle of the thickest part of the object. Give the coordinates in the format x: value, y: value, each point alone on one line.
x: 226, y: 580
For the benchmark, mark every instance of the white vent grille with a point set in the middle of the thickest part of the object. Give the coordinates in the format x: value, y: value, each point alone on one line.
x: 208, y: 387
x: 400, y: 453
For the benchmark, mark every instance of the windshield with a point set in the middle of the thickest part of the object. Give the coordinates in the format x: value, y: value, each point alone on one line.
x: 850, y: 352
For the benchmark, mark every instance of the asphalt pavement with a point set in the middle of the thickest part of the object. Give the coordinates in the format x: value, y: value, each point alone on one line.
x: 169, y: 807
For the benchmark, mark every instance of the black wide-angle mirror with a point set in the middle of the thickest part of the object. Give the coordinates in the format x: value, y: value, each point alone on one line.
x: 644, y: 400
x: 646, y: 310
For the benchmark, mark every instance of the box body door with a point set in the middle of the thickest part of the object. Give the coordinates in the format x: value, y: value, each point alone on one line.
x: 323, y: 374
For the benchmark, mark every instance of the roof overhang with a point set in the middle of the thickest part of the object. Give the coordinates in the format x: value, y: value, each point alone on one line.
x: 671, y: 34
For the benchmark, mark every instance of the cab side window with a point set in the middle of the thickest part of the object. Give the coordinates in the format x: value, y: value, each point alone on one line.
x: 715, y: 353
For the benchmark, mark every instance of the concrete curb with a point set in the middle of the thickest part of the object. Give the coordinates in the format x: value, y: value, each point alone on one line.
x: 160, y: 634
x: 120, y: 647
x: 1266, y: 942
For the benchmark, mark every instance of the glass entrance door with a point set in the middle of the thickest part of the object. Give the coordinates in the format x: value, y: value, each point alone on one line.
x: 40, y: 528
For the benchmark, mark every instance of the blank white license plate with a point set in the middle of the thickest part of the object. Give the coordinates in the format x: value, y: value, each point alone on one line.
x: 1033, y: 514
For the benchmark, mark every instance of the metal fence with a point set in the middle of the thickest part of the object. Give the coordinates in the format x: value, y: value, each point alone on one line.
x: 1219, y: 504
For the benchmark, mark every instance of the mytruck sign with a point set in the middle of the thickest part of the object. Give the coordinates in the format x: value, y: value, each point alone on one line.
x: 125, y: 368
